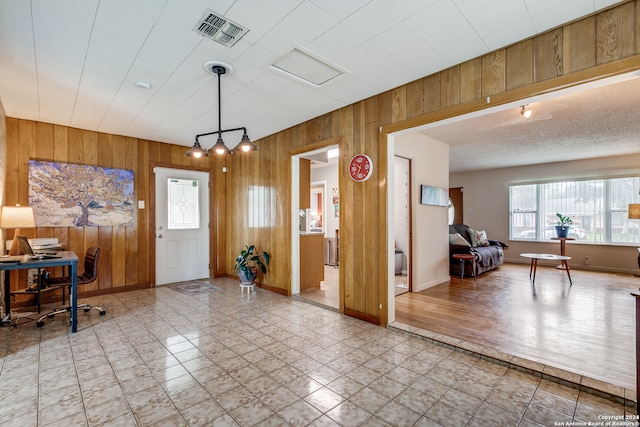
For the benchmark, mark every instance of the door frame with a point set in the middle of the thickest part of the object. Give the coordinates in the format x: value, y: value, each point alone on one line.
x: 295, y: 156
x: 152, y: 216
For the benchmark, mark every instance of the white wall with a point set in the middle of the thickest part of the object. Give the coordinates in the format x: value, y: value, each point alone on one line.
x: 401, y: 208
x: 430, y: 166
x: 486, y: 205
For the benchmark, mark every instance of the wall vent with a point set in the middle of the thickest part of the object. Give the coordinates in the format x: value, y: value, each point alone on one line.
x: 218, y: 28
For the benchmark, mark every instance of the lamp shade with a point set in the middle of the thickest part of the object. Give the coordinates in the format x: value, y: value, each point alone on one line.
x: 17, y: 217
x: 197, y: 151
x: 634, y: 211
x: 245, y: 145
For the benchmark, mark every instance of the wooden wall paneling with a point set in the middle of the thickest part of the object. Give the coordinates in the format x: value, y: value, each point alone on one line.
x: 91, y: 154
x: 336, y: 123
x: 106, y: 260
x: 118, y: 257
x: 282, y: 262
x: 11, y: 192
x: 370, y: 111
x: 105, y: 151
x: 431, y: 93
x: 60, y: 143
x: 450, y: 87
x: 519, y: 65
x: 347, y: 211
x: 615, y: 33
x: 636, y: 30
x: 369, y: 282
x: 493, y: 73
x: 26, y: 141
x: 471, y: 80
x: 547, y: 55
x: 357, y: 241
x: 92, y: 238
x: 385, y: 109
x: 131, y: 232
x: 44, y: 142
x: 399, y: 103
x: 312, y: 132
x: 325, y: 126
x: 144, y: 262
x: 75, y: 154
x: 218, y: 219
x: 414, y: 103
x: 579, y: 45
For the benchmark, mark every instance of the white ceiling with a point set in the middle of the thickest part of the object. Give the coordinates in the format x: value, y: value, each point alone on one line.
x: 76, y: 62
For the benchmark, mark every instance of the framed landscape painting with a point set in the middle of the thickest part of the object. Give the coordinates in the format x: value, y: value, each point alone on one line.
x: 70, y: 195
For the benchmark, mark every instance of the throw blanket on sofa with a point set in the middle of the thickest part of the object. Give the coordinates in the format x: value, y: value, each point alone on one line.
x: 488, y: 255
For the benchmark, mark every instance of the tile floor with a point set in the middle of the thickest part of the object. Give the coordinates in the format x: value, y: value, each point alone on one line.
x: 166, y: 358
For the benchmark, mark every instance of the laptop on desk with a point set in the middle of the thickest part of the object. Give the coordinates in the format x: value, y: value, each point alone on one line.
x: 27, y: 250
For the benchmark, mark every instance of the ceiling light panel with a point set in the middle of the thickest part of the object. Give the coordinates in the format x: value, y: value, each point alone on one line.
x: 306, y: 67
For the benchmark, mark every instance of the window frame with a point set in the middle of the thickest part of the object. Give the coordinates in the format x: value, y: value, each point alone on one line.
x: 606, y: 213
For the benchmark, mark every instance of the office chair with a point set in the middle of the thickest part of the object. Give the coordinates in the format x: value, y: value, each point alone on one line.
x: 89, y: 275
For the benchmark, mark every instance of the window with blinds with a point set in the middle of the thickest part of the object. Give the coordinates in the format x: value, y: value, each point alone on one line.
x: 598, y: 208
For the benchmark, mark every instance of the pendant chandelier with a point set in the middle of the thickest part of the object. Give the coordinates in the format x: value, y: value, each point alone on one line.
x: 245, y: 145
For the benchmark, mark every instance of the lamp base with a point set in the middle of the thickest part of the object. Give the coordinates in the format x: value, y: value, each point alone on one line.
x: 15, y: 245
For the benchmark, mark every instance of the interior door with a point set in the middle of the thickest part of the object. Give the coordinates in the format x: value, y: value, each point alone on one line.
x: 182, y: 225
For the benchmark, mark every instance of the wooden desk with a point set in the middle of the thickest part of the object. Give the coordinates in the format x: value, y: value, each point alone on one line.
x: 534, y: 264
x: 67, y: 259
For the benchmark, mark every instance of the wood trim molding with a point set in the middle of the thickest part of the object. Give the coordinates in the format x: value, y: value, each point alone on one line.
x: 566, y: 81
x: 363, y: 316
x: 316, y: 146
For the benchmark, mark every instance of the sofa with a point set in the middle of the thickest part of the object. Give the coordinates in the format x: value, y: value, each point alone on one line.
x: 489, y: 253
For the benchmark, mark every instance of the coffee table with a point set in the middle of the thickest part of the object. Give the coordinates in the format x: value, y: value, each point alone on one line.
x: 551, y: 257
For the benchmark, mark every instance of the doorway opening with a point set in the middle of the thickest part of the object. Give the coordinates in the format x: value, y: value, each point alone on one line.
x: 402, y: 225
x: 315, y: 264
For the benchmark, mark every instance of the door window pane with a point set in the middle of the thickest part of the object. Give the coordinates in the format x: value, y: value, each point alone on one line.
x: 183, y: 204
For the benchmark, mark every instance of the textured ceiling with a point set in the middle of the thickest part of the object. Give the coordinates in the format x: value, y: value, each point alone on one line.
x: 584, y: 123
x: 76, y: 62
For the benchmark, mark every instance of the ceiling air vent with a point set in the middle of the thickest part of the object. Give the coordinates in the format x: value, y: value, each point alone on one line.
x: 216, y: 27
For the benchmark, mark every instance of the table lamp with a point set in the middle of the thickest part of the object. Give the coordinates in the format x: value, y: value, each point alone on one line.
x: 16, y: 217
x: 634, y: 213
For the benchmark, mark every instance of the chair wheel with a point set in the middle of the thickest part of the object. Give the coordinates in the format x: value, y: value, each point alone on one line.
x: 86, y: 310
x: 102, y: 312
x: 50, y: 316
x: 40, y: 324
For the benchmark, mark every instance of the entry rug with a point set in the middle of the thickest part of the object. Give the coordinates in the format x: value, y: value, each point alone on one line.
x: 194, y: 287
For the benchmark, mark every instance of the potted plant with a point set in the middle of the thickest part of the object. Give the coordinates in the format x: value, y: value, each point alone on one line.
x: 563, y: 226
x: 248, y: 262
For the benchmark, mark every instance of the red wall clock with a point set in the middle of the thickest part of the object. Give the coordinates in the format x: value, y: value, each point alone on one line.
x: 360, y: 167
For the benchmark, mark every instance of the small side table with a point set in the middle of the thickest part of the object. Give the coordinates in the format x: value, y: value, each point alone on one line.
x: 563, y: 248
x: 466, y: 257
x: 249, y: 287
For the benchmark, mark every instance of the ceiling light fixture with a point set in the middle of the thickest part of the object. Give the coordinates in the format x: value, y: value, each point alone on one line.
x: 525, y: 113
x: 245, y: 145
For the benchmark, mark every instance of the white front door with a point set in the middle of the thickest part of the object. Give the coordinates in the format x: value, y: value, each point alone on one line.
x: 182, y: 225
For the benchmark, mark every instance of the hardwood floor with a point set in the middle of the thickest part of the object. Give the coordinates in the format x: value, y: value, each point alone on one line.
x: 587, y: 329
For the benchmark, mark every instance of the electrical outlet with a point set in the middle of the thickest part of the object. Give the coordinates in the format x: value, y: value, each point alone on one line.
x: 586, y: 260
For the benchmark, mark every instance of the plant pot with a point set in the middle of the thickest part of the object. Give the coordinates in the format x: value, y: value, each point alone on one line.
x: 246, y: 278
x: 562, y: 230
